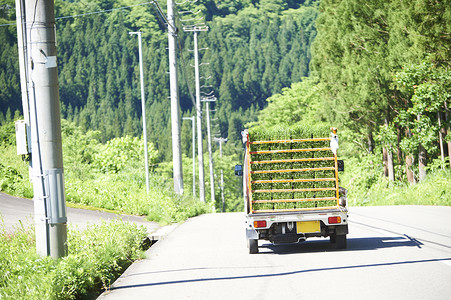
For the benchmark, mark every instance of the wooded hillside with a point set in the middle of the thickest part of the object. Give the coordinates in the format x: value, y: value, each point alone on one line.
x: 380, y: 71
x: 255, y: 48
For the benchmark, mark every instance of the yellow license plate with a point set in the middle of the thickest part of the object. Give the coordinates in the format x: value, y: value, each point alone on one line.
x: 308, y: 226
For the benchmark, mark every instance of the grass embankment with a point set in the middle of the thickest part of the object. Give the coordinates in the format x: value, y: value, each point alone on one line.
x: 367, y: 186
x: 97, y: 256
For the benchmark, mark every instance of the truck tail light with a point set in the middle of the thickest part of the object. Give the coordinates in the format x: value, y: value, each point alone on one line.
x: 334, y: 220
x: 259, y: 224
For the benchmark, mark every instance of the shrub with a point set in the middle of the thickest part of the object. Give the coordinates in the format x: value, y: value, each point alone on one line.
x: 96, y: 258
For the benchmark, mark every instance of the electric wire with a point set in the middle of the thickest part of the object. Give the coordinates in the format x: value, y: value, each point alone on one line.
x: 180, y: 48
x: 185, y: 76
x: 103, y: 11
x: 94, y: 12
x: 162, y: 15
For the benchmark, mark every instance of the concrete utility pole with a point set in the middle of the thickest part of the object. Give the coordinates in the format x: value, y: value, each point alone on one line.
x: 220, y: 141
x: 212, y: 180
x: 23, y: 59
x: 200, y: 150
x: 175, y: 115
x: 43, y: 124
x: 193, y: 120
x: 143, y: 106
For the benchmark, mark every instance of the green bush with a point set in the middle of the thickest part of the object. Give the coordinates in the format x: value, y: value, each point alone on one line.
x: 122, y: 152
x: 97, y: 256
x: 366, y: 185
x: 8, y: 134
x: 14, y: 178
x: 434, y: 190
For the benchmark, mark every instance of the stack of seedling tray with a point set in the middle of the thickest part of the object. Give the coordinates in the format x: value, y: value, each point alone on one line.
x: 292, y: 169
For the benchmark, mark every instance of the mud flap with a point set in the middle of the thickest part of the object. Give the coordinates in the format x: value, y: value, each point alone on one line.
x: 251, y: 234
x: 341, y: 230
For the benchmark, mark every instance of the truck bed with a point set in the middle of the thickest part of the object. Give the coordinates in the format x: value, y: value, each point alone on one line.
x: 291, y: 176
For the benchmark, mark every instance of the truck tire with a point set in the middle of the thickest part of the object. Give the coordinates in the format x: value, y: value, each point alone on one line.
x: 341, y: 241
x: 253, y: 246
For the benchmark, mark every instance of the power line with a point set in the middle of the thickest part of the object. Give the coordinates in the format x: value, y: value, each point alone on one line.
x: 103, y: 11
x: 94, y: 12
x: 163, y: 16
x: 193, y: 101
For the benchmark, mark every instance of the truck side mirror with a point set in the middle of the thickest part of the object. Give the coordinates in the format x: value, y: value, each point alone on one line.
x: 341, y: 165
x: 238, y: 170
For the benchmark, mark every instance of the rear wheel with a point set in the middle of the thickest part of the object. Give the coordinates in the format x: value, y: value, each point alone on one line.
x: 253, y: 246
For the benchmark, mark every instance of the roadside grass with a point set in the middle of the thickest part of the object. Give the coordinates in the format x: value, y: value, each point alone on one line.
x: 14, y: 179
x: 434, y: 190
x: 106, y: 176
x: 366, y: 185
x: 97, y: 256
x: 120, y: 193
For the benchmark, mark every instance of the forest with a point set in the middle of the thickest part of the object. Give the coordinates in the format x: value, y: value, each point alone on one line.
x: 377, y: 70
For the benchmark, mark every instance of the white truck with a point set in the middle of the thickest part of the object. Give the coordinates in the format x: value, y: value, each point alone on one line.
x: 291, y: 189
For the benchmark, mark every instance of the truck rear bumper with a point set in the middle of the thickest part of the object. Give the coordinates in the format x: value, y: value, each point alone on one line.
x: 293, y: 227
x: 322, y: 215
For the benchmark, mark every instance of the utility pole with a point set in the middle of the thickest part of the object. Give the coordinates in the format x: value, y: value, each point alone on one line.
x: 200, y: 150
x: 143, y: 106
x: 23, y: 59
x: 193, y: 120
x: 175, y: 115
x: 42, y: 130
x: 212, y: 180
x: 220, y: 141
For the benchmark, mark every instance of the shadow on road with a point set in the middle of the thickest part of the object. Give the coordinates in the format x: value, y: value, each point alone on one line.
x: 251, y: 276
x: 370, y: 243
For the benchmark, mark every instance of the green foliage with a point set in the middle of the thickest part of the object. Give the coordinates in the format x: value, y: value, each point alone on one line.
x: 7, y: 134
x: 9, y: 75
x: 9, y: 178
x: 363, y: 178
x: 79, y: 149
x: 97, y: 256
x: 434, y: 190
x: 361, y: 175
x: 14, y: 177
x: 112, y: 176
x: 118, y: 153
x: 384, y: 76
x: 233, y: 185
x: 428, y: 89
x: 298, y: 104
x: 387, y: 136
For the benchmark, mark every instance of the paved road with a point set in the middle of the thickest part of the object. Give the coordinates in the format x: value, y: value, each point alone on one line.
x: 401, y: 252
x: 13, y: 210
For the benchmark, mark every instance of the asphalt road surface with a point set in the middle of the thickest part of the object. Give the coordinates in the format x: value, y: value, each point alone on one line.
x: 401, y: 252
x: 14, y: 210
